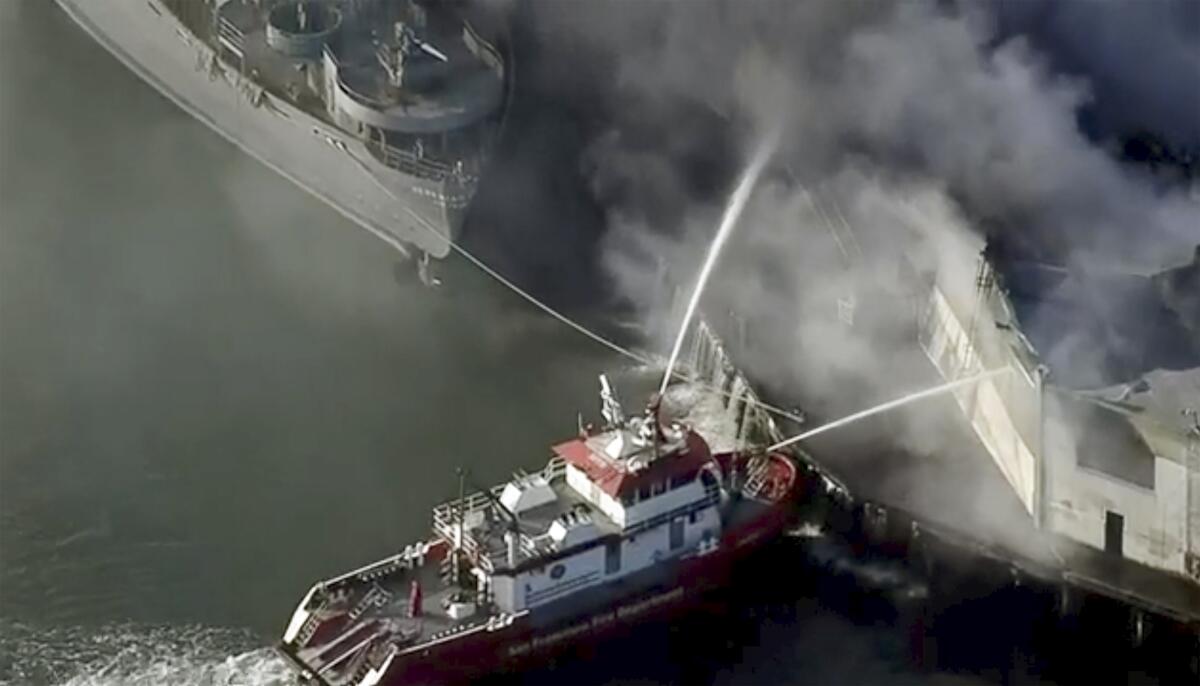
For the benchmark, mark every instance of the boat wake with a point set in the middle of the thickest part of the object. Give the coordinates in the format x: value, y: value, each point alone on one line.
x: 136, y: 655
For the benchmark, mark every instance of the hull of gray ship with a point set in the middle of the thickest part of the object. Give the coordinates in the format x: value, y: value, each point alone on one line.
x: 405, y: 210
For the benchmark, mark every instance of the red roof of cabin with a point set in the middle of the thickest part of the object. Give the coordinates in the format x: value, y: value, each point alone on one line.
x: 614, y: 479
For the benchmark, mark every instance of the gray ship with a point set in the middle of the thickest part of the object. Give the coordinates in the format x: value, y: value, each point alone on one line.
x: 384, y: 109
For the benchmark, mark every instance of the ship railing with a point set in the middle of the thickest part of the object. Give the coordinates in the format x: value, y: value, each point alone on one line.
x: 359, y: 665
x: 362, y: 98
x: 712, y: 490
x: 409, y: 162
x: 473, y: 625
x: 374, y: 657
x: 529, y: 547
x: 309, y: 627
x: 536, y: 546
x: 758, y: 471
x: 446, y: 523
x: 555, y: 468
x: 474, y: 502
x: 230, y: 36
x: 447, y: 528
x: 411, y: 557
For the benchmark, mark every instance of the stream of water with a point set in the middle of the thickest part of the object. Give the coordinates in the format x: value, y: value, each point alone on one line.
x: 890, y: 405
x: 733, y: 212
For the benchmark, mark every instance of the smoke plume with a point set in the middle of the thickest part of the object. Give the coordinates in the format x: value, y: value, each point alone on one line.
x: 914, y: 129
x: 1142, y: 60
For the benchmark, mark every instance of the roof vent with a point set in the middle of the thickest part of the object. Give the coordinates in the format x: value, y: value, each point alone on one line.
x: 522, y: 495
x: 574, y: 526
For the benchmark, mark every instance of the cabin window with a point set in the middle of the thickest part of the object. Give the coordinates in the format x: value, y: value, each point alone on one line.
x: 644, y: 493
x: 695, y: 516
x: 612, y: 557
x: 677, y: 533
x: 1114, y: 533
x: 659, y: 488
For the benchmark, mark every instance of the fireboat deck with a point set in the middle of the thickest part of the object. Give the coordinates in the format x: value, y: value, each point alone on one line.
x: 370, y: 604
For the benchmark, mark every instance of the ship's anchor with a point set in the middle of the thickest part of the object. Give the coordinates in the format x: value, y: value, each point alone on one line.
x: 423, y: 273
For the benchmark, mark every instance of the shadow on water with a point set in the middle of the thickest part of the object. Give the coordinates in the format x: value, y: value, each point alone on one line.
x: 779, y: 623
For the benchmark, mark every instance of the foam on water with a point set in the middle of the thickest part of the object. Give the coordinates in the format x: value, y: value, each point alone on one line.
x: 136, y: 655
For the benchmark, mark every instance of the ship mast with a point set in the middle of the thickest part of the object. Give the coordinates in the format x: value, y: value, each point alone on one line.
x: 652, y: 415
x: 458, y: 540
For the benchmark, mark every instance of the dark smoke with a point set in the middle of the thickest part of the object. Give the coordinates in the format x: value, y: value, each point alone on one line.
x: 1142, y: 60
x: 915, y: 129
x: 921, y: 123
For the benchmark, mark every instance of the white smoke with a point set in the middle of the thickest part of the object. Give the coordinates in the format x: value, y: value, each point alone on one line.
x: 912, y: 130
x: 922, y: 127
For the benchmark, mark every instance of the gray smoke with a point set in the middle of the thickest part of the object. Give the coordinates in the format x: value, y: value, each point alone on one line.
x: 920, y: 125
x: 911, y: 129
x: 1142, y: 59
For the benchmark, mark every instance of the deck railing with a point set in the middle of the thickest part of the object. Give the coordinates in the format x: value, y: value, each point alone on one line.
x: 231, y: 37
x: 409, y: 162
x: 446, y: 521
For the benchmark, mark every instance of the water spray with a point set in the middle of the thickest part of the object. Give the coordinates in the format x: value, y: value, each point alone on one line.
x: 891, y: 404
x: 733, y: 211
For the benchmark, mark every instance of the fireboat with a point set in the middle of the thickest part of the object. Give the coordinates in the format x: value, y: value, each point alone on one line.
x: 632, y: 522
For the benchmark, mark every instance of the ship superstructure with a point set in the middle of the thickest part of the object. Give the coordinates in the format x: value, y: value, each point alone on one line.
x: 385, y: 109
x: 412, y: 81
x: 624, y: 524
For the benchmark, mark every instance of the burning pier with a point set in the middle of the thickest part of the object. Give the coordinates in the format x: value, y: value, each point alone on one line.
x: 997, y: 545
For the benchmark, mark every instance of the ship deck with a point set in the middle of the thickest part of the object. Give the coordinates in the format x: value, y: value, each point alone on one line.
x: 473, y: 85
x: 272, y: 71
x: 363, y: 618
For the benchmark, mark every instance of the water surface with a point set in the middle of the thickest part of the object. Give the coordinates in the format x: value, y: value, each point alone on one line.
x: 214, y: 390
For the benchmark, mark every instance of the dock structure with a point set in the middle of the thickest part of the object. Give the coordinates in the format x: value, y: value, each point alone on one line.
x: 1109, y: 476
x: 1071, y: 517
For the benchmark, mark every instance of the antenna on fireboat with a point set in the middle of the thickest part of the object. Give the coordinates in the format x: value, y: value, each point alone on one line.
x: 652, y: 416
x: 458, y: 539
x: 610, y: 407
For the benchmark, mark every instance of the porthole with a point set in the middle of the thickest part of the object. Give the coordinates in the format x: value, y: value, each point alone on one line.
x: 557, y: 571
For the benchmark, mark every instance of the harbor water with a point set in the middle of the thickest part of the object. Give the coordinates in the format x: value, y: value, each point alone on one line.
x: 214, y: 390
